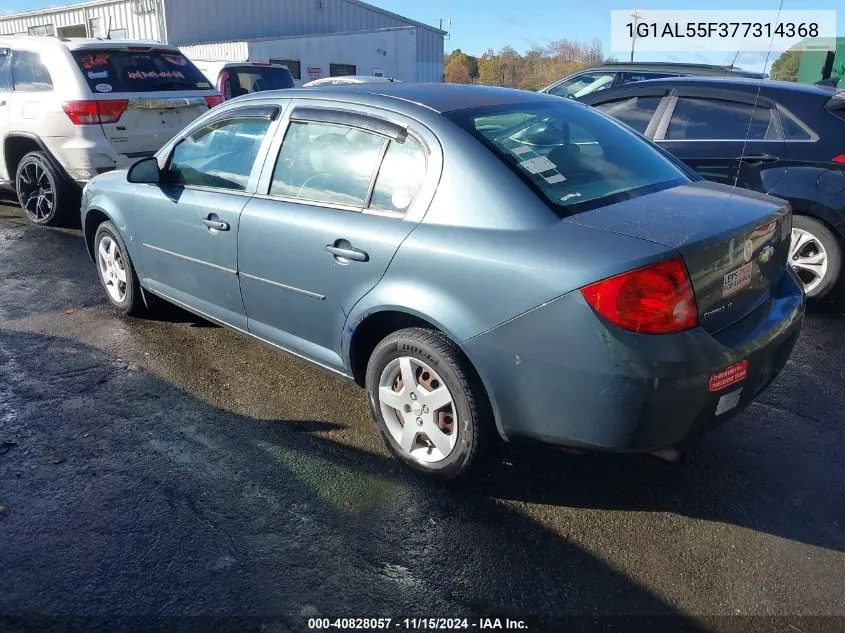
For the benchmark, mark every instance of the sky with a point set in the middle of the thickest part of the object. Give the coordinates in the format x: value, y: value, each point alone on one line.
x: 481, y: 24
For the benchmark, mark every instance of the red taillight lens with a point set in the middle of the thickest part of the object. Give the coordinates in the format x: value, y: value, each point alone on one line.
x: 657, y: 299
x: 94, y: 112
x: 214, y: 100
x: 839, y: 159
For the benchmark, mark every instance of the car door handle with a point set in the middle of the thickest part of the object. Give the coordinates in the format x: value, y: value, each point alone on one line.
x: 2, y: 103
x: 216, y: 224
x: 344, y: 250
x: 758, y: 159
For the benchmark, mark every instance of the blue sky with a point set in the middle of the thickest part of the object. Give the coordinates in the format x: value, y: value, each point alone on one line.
x: 481, y: 24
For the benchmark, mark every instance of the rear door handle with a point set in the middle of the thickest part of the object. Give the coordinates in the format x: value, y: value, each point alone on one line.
x: 216, y: 224
x: 344, y: 250
x: 758, y: 159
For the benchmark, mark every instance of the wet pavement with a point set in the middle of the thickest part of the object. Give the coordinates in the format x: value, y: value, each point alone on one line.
x: 169, y: 471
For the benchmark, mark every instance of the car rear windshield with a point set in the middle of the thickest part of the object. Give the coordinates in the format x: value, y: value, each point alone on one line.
x: 575, y: 158
x: 246, y: 79
x: 111, y: 70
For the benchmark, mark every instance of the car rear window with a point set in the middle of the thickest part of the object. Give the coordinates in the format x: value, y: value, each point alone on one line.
x: 246, y: 79
x: 111, y: 70
x: 575, y: 158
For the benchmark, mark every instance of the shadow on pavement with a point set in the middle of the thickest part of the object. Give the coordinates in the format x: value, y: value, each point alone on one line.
x: 160, y: 504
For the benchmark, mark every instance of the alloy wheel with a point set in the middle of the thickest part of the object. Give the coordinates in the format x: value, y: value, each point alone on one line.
x: 112, y: 269
x: 418, y: 410
x: 808, y: 258
x: 36, y: 193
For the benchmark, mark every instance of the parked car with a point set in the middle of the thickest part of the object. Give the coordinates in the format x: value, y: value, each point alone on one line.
x: 610, y: 75
x: 783, y: 139
x: 349, y: 79
x: 74, y: 108
x: 417, y: 240
x: 235, y: 79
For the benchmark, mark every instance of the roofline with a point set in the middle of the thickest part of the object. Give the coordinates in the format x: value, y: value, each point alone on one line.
x: 395, y: 16
x: 271, y: 38
x: 94, y: 3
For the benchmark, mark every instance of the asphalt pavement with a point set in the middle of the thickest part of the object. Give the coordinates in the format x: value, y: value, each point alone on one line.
x: 168, y: 472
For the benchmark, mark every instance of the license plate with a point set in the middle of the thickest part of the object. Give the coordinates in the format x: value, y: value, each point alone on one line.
x: 736, y: 280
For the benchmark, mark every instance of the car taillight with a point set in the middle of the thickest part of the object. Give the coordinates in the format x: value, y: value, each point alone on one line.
x: 95, y: 112
x: 214, y: 100
x: 657, y: 299
x: 839, y: 159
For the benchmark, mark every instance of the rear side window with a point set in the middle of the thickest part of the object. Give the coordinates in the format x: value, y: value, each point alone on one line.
x: 400, y: 176
x: 571, y: 156
x: 697, y: 119
x: 220, y: 155
x: 634, y: 111
x: 28, y: 73
x: 5, y: 70
x: 108, y: 71
x: 583, y: 84
x: 792, y: 129
x: 326, y: 162
x: 241, y: 80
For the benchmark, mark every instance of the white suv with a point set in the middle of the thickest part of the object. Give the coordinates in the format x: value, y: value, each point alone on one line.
x: 74, y: 108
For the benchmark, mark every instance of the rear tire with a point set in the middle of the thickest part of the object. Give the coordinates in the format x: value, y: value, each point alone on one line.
x: 116, y: 272
x: 43, y: 193
x: 815, y: 255
x: 440, y: 423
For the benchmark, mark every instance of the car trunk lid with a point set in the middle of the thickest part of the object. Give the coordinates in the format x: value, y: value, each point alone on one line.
x: 734, y: 243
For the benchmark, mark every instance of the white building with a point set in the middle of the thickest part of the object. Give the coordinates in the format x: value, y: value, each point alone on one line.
x: 315, y: 38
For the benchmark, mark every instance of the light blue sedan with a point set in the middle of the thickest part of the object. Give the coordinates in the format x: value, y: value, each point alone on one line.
x: 483, y: 261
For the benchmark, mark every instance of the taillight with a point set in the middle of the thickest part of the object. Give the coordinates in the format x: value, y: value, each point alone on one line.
x: 95, y: 112
x: 657, y: 299
x: 839, y: 159
x: 214, y: 100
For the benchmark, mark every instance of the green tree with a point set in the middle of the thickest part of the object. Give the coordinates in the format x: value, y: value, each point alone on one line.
x: 457, y: 71
x: 786, y: 66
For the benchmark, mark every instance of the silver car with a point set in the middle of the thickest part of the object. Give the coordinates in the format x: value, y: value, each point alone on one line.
x: 483, y: 261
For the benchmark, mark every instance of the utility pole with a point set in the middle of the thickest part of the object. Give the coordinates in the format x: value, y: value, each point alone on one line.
x: 636, y: 17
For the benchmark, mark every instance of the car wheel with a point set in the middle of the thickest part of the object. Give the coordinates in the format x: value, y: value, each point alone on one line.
x: 427, y: 403
x: 815, y: 255
x: 42, y: 192
x: 116, y: 272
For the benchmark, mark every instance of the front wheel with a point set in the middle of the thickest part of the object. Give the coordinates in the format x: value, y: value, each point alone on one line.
x: 116, y: 272
x: 427, y: 403
x: 815, y: 255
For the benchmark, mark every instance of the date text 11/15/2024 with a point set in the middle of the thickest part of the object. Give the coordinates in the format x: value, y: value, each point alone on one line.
x: 418, y: 624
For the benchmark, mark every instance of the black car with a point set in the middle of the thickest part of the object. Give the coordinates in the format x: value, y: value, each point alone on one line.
x: 612, y: 74
x: 783, y: 139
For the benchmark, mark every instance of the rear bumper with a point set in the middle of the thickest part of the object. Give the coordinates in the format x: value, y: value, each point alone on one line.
x: 85, y: 157
x: 562, y: 375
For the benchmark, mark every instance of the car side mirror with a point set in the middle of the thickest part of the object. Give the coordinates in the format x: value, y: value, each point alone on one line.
x: 145, y: 172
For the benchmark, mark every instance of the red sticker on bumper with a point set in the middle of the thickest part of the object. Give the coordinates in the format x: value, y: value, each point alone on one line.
x: 730, y: 376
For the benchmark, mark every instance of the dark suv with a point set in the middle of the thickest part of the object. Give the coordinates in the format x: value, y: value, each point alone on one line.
x: 596, y: 78
x: 783, y: 139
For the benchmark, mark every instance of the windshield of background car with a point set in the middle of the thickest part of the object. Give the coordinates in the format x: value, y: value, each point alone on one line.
x: 246, y: 79
x: 573, y: 157
x: 139, y: 71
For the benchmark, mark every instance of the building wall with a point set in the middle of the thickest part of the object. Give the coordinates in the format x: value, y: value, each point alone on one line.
x: 117, y: 14
x: 392, y: 51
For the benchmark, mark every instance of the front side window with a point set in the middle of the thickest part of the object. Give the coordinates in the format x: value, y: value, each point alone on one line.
x: 220, y: 155
x: 156, y: 70
x: 326, y: 162
x: 28, y: 73
x: 696, y: 119
x: 634, y: 111
x: 583, y: 84
x: 571, y: 156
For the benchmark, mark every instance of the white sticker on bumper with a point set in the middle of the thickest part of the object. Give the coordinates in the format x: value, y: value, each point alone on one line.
x: 728, y: 402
